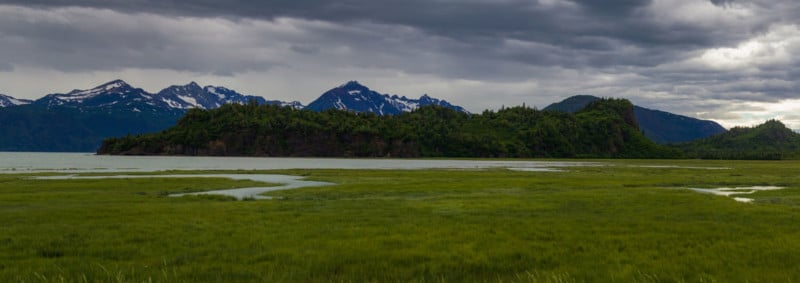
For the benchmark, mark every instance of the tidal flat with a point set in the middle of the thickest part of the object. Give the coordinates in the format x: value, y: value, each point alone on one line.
x: 625, y: 221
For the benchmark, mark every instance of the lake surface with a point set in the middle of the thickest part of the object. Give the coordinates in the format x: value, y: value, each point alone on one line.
x: 29, y: 162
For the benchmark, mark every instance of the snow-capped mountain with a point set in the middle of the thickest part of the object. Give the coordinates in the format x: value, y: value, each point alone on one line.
x: 210, y: 97
x: 80, y: 119
x: 189, y: 96
x: 115, y: 94
x: 119, y: 95
x: 353, y: 96
x: 6, y: 101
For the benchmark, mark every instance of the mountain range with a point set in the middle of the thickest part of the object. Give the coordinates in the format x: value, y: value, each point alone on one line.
x: 659, y: 126
x: 120, y: 96
x: 79, y: 120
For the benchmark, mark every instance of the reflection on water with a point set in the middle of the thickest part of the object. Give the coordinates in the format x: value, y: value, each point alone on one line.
x: 728, y: 192
x: 286, y: 183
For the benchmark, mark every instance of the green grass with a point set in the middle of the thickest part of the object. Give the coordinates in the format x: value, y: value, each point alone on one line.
x: 612, y: 223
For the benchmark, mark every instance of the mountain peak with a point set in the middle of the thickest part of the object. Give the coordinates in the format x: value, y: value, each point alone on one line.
x: 426, y: 98
x: 353, y: 96
x: 104, y: 95
x: 114, y: 84
x: 572, y: 104
x: 351, y: 85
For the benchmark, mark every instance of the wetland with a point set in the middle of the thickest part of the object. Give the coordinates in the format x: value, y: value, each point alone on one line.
x: 602, y: 220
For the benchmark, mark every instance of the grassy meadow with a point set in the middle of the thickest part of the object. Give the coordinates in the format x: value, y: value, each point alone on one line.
x: 616, y: 223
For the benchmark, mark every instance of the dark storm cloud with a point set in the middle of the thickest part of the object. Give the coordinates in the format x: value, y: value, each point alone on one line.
x: 722, y: 2
x: 6, y: 67
x: 616, y: 8
x: 664, y: 49
x: 571, y: 34
x: 562, y: 24
x: 91, y: 40
x: 305, y: 49
x: 565, y: 33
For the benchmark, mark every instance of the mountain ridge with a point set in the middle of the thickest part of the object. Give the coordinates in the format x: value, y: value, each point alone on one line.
x: 660, y: 126
x: 119, y: 95
x: 353, y: 96
x: 84, y: 116
x: 7, y: 101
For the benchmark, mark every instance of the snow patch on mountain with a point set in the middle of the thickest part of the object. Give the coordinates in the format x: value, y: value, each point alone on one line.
x: 116, y: 86
x: 7, y: 101
x: 189, y: 100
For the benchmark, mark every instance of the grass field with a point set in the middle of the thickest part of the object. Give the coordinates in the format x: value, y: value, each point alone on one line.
x: 614, y: 223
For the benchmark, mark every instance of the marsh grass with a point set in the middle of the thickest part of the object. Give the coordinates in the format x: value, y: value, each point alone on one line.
x: 617, y: 222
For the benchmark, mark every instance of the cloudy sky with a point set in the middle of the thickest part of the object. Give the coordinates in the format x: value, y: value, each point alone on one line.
x: 731, y: 61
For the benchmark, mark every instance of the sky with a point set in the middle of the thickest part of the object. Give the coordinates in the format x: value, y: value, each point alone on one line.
x: 731, y: 61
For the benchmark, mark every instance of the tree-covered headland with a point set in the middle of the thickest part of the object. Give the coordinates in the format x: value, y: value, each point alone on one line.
x: 606, y: 128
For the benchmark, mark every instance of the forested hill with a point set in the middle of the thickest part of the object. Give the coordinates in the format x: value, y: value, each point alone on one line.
x: 661, y: 127
x: 605, y: 128
x: 771, y: 140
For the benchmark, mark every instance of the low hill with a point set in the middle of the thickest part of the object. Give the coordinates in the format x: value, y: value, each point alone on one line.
x: 659, y: 126
x: 771, y: 140
x: 605, y: 128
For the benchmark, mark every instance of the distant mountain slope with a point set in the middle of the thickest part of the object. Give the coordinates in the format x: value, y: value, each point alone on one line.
x: 770, y: 140
x: 659, y: 126
x: 78, y: 120
x: 67, y: 129
x: 572, y: 104
x: 7, y: 101
x: 664, y: 127
x: 353, y: 96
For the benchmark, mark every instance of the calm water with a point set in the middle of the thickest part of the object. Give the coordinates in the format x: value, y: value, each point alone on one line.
x: 20, y: 162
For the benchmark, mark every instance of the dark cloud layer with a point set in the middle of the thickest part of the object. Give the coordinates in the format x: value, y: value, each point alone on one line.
x: 693, y: 53
x: 560, y: 22
x: 573, y: 34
